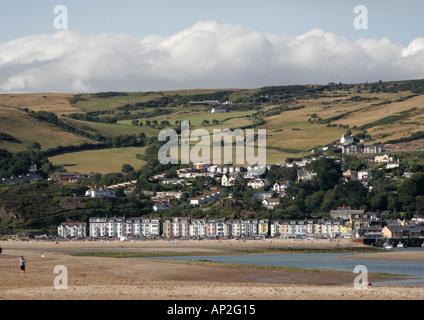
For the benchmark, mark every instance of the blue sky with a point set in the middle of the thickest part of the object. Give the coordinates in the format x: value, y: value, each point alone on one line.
x: 400, y: 21
x: 133, y: 45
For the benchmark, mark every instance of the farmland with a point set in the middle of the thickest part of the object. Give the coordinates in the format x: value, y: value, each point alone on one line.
x: 296, y: 121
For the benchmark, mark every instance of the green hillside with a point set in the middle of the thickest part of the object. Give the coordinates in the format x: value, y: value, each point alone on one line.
x: 115, y: 134
x: 297, y: 118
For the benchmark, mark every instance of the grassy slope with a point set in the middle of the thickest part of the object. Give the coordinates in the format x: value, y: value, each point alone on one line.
x: 28, y: 129
x: 295, y: 130
x: 101, y: 161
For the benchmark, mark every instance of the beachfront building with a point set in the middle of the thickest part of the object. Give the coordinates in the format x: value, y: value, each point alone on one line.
x: 176, y: 227
x: 118, y: 227
x: 107, y: 227
x: 133, y: 227
x: 243, y: 228
x: 150, y: 227
x: 72, y: 230
x: 263, y: 227
x: 197, y: 228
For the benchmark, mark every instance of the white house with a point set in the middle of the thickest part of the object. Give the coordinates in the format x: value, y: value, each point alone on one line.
x: 393, y: 164
x: 281, y: 186
x: 383, y: 158
x: 99, y: 193
x: 364, y: 174
x: 270, y: 203
x: 205, y: 198
x: 229, y: 180
x: 72, y: 230
x: 161, y: 205
x: 346, y: 139
x: 218, y: 110
x: 258, y: 183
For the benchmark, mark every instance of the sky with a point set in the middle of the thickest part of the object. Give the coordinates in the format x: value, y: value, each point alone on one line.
x: 131, y: 45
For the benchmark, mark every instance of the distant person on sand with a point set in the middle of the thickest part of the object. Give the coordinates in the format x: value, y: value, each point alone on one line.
x: 22, y: 265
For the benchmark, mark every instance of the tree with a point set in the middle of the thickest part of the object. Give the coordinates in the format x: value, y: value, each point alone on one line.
x: 126, y: 168
x: 328, y: 172
x: 352, y: 194
x: 410, y: 189
x: 34, y: 146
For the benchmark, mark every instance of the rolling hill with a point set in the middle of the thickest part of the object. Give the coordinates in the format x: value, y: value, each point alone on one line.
x: 297, y: 118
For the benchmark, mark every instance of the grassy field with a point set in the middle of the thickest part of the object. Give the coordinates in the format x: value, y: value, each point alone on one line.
x: 101, y: 161
x: 51, y: 102
x: 27, y: 129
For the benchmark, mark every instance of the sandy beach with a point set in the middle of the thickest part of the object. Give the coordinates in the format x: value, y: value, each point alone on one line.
x: 110, y: 278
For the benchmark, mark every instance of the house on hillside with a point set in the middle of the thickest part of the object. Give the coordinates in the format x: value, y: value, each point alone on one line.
x: 205, y: 198
x: 305, y: 175
x: 383, y: 158
x: 281, y: 186
x: 100, y: 193
x: 376, y: 148
x: 347, y: 139
x: 69, y: 177
x: 350, y: 148
x: 161, y: 205
x: 270, y: 203
x: 393, y: 164
x: 30, y: 177
x: 262, y: 195
x: 218, y: 110
x: 344, y: 213
x: 229, y: 180
x: 258, y: 183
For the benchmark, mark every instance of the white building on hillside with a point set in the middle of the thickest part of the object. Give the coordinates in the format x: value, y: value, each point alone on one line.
x: 99, y: 193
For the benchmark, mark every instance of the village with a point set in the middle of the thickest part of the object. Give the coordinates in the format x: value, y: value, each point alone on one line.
x: 341, y: 222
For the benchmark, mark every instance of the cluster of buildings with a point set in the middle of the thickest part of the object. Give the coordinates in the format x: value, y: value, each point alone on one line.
x: 69, y: 177
x: 348, y: 145
x: 343, y: 222
x: 30, y: 177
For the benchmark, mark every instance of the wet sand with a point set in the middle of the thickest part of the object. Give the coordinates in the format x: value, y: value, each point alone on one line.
x: 98, y: 278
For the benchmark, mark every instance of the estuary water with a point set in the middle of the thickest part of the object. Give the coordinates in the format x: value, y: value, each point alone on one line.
x: 326, y: 261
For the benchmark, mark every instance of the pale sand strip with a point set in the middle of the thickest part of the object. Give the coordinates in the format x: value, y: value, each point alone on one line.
x: 115, y: 279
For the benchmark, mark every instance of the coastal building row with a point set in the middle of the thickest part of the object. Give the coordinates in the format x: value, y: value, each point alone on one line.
x: 185, y: 227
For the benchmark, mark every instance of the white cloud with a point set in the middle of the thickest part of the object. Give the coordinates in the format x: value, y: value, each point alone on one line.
x: 207, y: 55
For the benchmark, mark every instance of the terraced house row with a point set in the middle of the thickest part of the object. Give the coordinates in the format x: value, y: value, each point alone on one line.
x: 185, y: 227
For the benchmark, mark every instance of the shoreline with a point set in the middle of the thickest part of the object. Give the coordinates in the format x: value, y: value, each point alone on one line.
x: 109, y: 278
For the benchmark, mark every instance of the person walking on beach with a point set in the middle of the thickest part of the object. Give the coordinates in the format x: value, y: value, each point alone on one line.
x: 22, y: 265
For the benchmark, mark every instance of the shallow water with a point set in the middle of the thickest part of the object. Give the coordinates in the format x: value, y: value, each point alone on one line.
x: 327, y: 261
